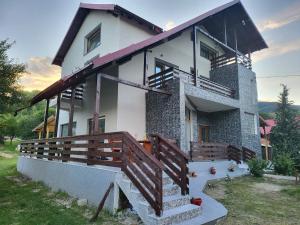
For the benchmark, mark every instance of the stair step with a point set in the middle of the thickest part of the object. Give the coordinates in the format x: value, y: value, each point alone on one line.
x: 170, y: 202
x: 166, y: 179
x: 176, y: 215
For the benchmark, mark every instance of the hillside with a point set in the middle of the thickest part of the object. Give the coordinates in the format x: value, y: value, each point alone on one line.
x: 270, y: 107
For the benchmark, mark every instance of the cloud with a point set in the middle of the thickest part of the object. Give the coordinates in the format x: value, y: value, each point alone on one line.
x: 283, y: 18
x: 40, y: 74
x: 269, y: 89
x: 276, y: 49
x: 169, y: 25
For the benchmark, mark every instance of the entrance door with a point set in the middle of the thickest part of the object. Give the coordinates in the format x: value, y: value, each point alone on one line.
x: 203, y: 133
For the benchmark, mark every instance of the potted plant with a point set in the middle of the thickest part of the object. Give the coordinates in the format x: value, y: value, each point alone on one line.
x: 196, y: 201
x: 212, y: 170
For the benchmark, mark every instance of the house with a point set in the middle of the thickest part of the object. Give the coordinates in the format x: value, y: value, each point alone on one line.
x: 265, y: 131
x: 38, y: 130
x: 124, y: 79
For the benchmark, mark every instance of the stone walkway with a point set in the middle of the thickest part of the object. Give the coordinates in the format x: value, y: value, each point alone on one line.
x: 279, y: 177
x: 212, y: 209
x: 5, y: 155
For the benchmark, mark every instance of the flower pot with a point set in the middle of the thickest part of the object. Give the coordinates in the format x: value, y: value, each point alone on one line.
x: 148, y: 147
x: 212, y: 170
x: 196, y: 201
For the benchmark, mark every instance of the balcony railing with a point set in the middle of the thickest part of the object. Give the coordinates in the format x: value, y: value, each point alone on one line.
x: 159, y: 80
x: 228, y: 59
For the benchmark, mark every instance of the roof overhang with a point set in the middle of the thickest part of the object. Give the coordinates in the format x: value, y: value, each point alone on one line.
x: 237, y: 20
x: 82, y: 12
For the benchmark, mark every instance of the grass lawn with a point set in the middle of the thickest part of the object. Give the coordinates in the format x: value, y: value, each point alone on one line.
x: 252, y: 200
x: 26, y: 202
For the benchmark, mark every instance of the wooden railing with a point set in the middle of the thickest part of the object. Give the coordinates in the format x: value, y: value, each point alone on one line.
x: 234, y: 153
x: 216, y: 151
x: 118, y: 149
x: 208, y: 151
x: 248, y: 154
x: 174, y: 161
x: 228, y: 59
x: 160, y: 80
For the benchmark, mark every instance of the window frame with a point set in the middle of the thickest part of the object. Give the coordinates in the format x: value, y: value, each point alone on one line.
x: 90, y: 124
x: 210, y: 51
x: 66, y: 124
x: 87, y: 39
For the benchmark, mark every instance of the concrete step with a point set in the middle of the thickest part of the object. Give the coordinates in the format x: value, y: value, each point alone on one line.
x: 166, y: 179
x: 176, y: 215
x: 169, y: 202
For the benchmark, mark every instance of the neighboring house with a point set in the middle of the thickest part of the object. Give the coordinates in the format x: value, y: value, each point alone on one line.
x: 38, y: 130
x: 265, y: 131
x: 192, y: 84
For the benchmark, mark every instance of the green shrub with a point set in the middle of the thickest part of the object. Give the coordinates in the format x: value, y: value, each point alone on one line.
x: 284, y: 164
x: 257, y: 167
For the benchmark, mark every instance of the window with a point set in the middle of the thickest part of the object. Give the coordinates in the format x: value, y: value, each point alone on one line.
x: 207, y: 52
x: 64, y: 129
x: 101, y: 125
x: 92, y: 40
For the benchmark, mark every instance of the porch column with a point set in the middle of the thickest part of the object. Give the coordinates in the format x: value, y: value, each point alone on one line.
x: 95, y: 122
x: 57, y: 114
x: 194, y: 55
x: 46, y: 118
x: 97, y: 105
x: 235, y: 46
x: 71, y: 112
x: 145, y: 67
x: 44, y: 132
x: 70, y: 125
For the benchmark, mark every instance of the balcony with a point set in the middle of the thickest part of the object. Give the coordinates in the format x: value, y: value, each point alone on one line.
x: 159, y: 80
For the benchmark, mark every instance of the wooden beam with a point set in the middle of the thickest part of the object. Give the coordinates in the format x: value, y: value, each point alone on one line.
x: 194, y: 55
x: 71, y: 112
x: 132, y: 84
x: 97, y: 105
x: 57, y: 114
x: 46, y: 118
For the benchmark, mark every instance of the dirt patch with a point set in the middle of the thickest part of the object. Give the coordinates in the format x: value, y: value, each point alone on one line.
x: 5, y: 155
x: 65, y: 202
x: 266, y: 187
x: 19, y: 180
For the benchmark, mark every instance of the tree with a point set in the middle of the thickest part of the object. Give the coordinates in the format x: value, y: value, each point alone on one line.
x: 9, y: 126
x: 10, y: 72
x: 285, y: 136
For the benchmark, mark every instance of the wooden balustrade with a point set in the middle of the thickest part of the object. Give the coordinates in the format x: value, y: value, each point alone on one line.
x: 217, y: 151
x: 208, y: 151
x: 174, y: 161
x: 117, y: 149
x: 159, y: 80
x: 248, y: 154
x: 228, y: 59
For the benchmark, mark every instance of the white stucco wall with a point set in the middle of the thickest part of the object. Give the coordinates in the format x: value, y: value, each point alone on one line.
x: 116, y: 33
x: 78, y: 180
x: 131, y: 101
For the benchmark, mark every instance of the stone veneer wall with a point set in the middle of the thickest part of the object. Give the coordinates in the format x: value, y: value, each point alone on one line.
x: 249, y: 110
x: 225, y: 127
x: 166, y: 114
x: 227, y: 76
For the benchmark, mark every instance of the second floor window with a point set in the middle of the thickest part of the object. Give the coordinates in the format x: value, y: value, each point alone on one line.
x: 93, y: 39
x: 207, y: 52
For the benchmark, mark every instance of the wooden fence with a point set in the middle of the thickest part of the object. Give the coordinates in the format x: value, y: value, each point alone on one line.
x: 119, y: 149
x: 217, y: 151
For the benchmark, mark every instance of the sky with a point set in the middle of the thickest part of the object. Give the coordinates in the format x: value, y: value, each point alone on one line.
x: 38, y: 27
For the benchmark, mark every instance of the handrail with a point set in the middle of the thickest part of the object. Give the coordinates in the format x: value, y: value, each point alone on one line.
x: 248, y: 154
x: 143, y: 169
x: 174, y: 160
